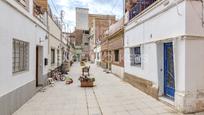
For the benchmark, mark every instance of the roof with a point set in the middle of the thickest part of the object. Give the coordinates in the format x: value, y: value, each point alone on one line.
x: 115, y: 27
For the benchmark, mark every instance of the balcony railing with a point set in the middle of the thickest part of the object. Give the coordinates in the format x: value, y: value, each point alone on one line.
x: 139, y: 7
x: 39, y: 12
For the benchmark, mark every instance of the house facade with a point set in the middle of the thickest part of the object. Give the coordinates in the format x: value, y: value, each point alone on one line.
x: 115, y: 47
x: 163, y: 51
x: 55, y: 43
x: 24, y: 47
x: 98, y: 24
x: 78, y: 36
x: 71, y: 44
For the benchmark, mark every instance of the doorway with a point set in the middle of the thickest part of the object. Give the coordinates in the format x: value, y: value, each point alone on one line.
x: 169, y: 79
x: 39, y: 65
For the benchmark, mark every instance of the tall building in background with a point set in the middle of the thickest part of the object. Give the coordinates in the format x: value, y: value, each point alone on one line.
x: 82, y: 18
x: 89, y: 28
x: 81, y: 33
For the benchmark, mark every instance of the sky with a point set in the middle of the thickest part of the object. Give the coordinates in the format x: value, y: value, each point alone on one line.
x: 111, y: 7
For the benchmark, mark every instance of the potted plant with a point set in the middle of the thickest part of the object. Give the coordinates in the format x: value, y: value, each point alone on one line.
x: 86, y: 81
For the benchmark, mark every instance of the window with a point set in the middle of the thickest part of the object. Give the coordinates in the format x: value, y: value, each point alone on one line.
x: 20, y: 56
x: 116, y: 52
x: 86, y: 44
x: 58, y: 58
x: 86, y: 31
x: 135, y: 56
x: 52, y: 56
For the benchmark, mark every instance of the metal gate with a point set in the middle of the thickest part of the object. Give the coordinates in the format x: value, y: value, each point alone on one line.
x: 169, y: 81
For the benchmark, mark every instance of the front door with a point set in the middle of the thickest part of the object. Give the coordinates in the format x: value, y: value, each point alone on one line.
x: 169, y: 81
x: 39, y: 65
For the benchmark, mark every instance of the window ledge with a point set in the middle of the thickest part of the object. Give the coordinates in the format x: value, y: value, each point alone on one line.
x: 136, y: 65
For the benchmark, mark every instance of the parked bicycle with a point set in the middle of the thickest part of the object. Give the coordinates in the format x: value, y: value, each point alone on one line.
x: 57, y: 74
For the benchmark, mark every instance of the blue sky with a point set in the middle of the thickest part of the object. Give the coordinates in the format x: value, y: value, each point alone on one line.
x: 112, y: 7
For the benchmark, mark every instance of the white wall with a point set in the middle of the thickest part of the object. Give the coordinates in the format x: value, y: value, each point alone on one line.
x: 54, y: 42
x: 148, y: 69
x: 194, y: 18
x: 18, y: 27
x: 53, y: 28
x: 119, y: 71
x: 195, y: 64
x: 41, y: 40
x: 179, y: 64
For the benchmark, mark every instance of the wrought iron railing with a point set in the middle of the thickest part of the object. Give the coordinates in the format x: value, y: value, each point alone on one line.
x: 139, y: 7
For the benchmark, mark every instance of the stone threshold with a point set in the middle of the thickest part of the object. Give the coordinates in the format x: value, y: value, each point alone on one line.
x: 167, y: 101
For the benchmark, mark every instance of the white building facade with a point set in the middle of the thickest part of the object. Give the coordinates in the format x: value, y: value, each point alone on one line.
x: 163, y: 52
x: 55, y: 44
x: 24, y: 47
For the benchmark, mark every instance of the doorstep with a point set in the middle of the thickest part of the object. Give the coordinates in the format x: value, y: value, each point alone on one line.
x: 167, y: 101
x: 39, y: 88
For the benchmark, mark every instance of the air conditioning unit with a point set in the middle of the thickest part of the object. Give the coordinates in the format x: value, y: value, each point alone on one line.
x: 138, y: 59
x: 23, y: 2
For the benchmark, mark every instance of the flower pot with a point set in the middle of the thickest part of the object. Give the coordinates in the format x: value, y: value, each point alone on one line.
x: 87, y: 84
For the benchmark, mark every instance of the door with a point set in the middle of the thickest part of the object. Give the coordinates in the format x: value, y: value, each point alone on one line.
x: 169, y: 81
x: 37, y: 54
x: 39, y: 65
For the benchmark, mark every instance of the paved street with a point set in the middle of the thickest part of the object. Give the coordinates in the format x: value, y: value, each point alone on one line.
x: 111, y: 96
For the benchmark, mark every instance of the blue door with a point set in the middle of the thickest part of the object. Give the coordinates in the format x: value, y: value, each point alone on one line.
x: 169, y: 81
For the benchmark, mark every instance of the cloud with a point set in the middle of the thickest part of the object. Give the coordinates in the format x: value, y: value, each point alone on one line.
x: 111, y: 7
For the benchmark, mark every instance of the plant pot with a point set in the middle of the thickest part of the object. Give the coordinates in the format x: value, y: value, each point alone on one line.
x: 87, y: 84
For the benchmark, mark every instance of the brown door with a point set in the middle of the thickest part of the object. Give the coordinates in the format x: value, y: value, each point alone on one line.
x: 37, y: 65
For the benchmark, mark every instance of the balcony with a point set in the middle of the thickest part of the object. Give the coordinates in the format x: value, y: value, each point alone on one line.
x: 139, y: 7
x: 39, y: 9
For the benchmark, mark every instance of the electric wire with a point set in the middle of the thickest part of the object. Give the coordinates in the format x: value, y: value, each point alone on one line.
x: 56, y: 9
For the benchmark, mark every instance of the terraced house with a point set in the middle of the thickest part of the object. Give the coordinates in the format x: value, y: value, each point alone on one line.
x: 98, y: 24
x: 24, y: 46
x: 112, y: 49
x: 164, y: 43
x: 57, y: 45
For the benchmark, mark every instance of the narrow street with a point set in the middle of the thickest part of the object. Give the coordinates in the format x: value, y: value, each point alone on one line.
x: 111, y: 96
x: 148, y: 49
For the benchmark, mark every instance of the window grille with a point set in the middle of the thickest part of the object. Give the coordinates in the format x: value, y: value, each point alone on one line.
x: 135, y: 56
x: 20, y: 56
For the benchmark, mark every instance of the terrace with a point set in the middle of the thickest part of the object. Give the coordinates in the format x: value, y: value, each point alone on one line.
x: 138, y: 7
x: 39, y: 9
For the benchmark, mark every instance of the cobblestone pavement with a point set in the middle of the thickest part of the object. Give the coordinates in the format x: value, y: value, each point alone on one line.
x: 111, y: 96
